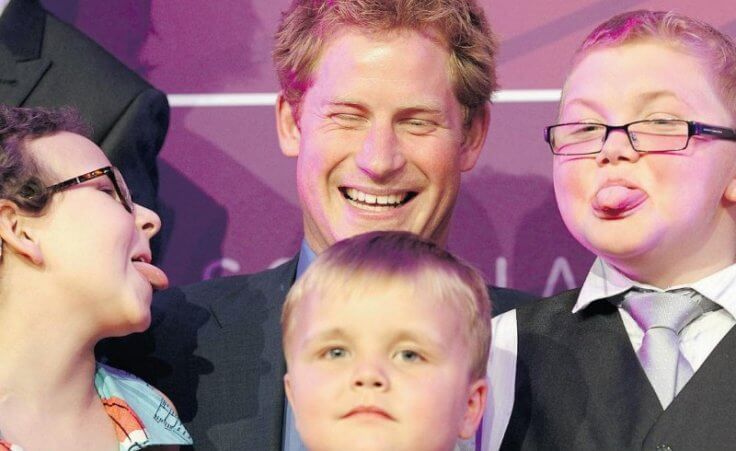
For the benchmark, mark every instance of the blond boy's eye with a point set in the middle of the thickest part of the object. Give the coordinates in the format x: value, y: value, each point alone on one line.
x: 408, y: 355
x: 335, y: 353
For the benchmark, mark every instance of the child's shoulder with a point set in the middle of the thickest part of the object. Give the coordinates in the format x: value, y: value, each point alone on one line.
x: 558, y: 303
x: 145, y: 414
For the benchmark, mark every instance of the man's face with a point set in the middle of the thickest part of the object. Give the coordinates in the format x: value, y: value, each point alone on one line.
x: 380, y: 142
x: 381, y: 369
x: 661, y: 218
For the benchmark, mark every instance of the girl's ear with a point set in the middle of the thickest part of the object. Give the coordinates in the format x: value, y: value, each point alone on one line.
x: 17, y: 233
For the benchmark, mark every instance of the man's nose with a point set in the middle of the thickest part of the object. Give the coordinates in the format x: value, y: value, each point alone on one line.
x: 381, y: 155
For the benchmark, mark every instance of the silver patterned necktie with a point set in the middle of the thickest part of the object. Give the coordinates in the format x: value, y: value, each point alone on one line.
x: 662, y: 316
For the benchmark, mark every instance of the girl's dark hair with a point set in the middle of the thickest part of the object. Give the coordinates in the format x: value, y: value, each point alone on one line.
x: 21, y: 178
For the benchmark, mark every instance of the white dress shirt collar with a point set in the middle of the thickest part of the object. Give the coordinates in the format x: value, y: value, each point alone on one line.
x: 604, y: 281
x: 3, y: 5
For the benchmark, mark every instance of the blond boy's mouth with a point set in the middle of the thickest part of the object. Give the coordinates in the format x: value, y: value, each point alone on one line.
x: 368, y: 411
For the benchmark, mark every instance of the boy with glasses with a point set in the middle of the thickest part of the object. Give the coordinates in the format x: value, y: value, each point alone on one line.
x: 641, y: 356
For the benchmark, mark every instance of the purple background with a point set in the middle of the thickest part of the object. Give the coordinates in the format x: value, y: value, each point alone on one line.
x: 230, y: 202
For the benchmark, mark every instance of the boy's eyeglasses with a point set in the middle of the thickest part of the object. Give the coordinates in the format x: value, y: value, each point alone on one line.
x: 655, y: 135
x: 122, y: 193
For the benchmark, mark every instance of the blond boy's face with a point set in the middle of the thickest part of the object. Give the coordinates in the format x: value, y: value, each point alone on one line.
x: 381, y: 369
x: 661, y: 218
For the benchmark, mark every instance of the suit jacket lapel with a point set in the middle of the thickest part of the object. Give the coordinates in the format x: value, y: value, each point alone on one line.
x: 21, y: 64
x: 261, y: 354
x: 17, y: 84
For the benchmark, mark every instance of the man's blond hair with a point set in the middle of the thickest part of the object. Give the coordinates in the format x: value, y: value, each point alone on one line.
x: 460, y: 25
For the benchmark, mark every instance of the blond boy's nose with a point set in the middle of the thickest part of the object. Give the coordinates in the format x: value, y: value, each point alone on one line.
x: 370, y: 377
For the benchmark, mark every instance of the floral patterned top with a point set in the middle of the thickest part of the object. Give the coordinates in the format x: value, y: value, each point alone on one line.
x: 142, y: 417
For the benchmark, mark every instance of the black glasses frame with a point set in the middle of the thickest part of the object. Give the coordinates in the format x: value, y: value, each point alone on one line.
x: 693, y: 129
x: 109, y: 171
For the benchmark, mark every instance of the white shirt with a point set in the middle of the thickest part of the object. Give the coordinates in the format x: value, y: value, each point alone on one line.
x: 3, y: 5
x: 697, y: 340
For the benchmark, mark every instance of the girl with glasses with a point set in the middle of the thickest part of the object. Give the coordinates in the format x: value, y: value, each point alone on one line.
x: 75, y: 267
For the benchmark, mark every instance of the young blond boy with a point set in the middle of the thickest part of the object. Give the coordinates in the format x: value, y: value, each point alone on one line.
x: 642, y: 355
x: 386, y: 339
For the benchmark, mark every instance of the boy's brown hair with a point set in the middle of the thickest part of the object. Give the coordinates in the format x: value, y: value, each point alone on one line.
x: 701, y: 40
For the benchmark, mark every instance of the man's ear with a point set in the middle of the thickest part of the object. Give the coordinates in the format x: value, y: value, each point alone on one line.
x: 476, y: 404
x: 287, y: 127
x: 17, y: 233
x: 475, y: 137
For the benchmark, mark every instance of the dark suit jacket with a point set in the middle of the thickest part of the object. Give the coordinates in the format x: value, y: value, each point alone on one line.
x: 215, y: 349
x: 45, y: 62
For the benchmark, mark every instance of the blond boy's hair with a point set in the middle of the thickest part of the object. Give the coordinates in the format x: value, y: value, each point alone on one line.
x: 366, y: 261
x: 701, y: 40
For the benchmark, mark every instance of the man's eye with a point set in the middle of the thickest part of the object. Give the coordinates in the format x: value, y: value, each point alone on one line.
x: 348, y: 120
x: 420, y: 126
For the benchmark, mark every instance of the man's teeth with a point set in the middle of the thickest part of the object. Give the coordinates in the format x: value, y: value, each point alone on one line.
x: 391, y: 200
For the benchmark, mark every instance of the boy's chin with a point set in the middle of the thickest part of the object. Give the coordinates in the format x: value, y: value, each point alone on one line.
x: 369, y: 439
x: 618, y: 246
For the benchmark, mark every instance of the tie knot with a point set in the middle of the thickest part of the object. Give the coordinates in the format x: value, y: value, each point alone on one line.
x: 671, y: 310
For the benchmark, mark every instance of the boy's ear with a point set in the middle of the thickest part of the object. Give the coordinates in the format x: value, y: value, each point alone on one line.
x: 287, y: 387
x: 287, y: 127
x: 475, y: 137
x: 17, y: 233
x: 730, y: 193
x: 476, y: 404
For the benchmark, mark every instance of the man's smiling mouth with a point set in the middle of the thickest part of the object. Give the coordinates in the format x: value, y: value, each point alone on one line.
x: 374, y: 202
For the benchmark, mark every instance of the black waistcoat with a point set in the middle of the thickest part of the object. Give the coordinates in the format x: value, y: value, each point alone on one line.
x: 579, y: 386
